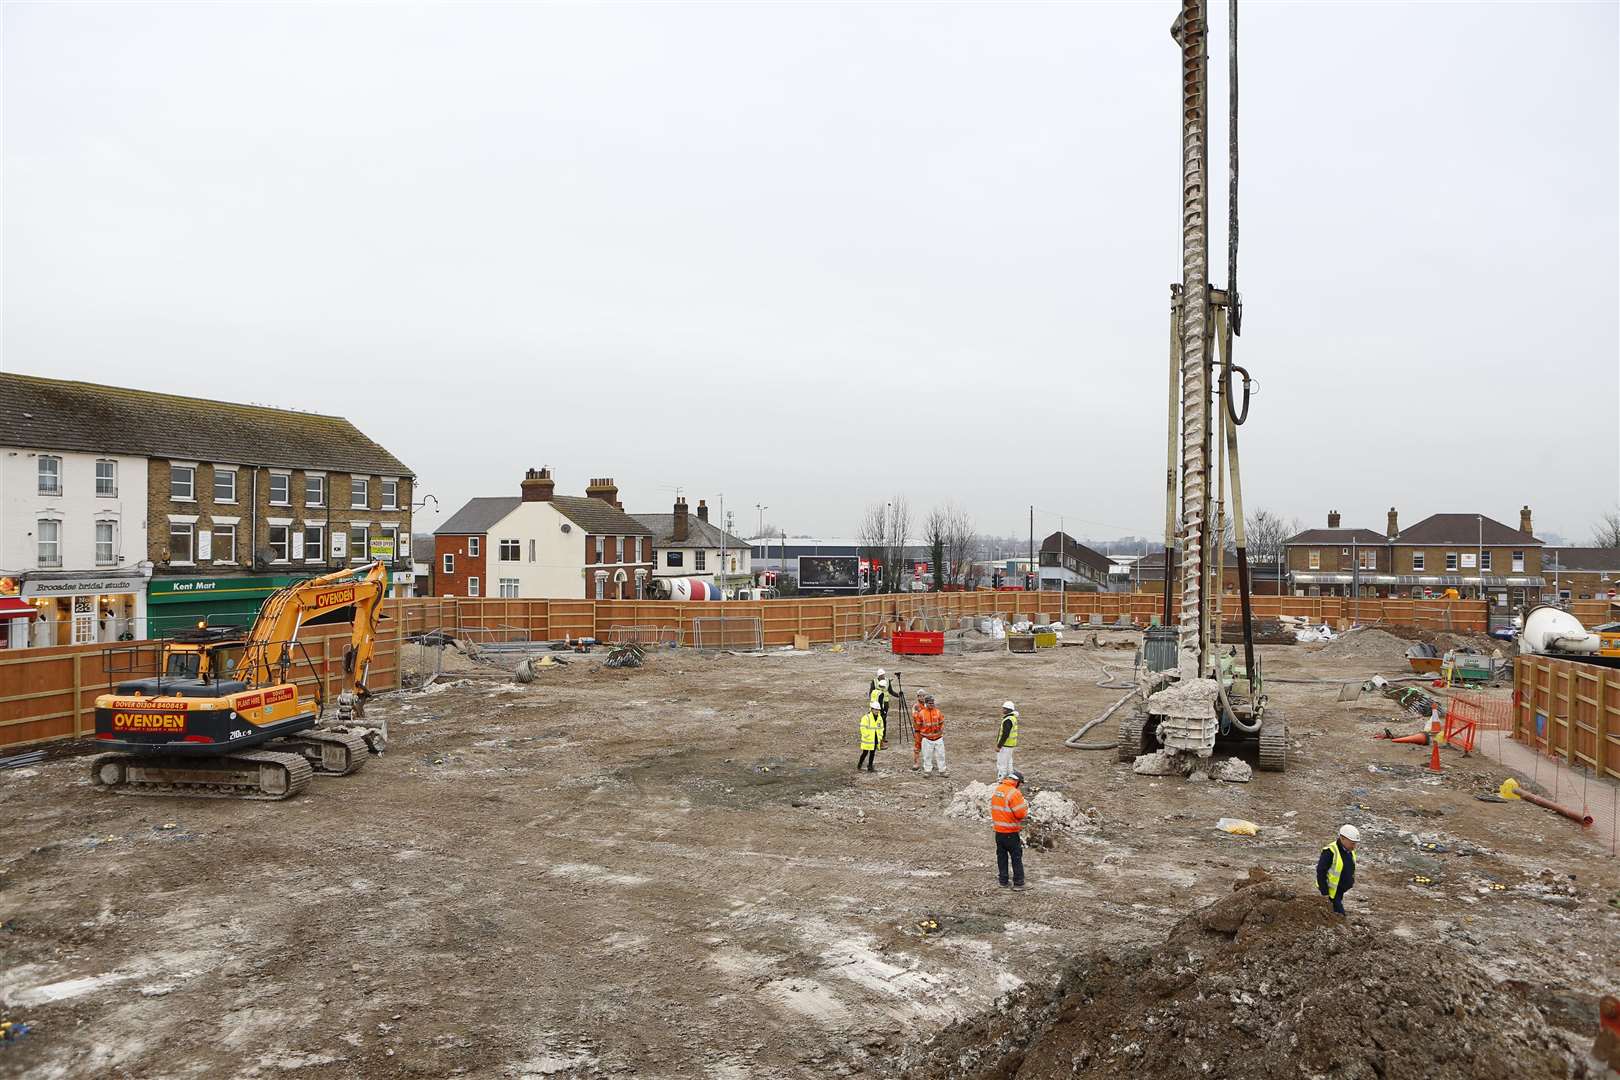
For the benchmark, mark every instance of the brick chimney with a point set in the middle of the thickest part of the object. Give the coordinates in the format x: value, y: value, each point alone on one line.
x: 703, y: 510
x: 537, y: 485
x: 1393, y: 529
x: 604, y: 488
x: 1524, y: 519
x: 680, y: 531
x: 1333, y: 519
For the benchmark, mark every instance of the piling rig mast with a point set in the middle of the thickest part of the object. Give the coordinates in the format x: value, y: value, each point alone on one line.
x: 1201, y: 398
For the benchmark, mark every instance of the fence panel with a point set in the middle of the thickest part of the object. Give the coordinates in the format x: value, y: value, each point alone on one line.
x: 1570, y: 710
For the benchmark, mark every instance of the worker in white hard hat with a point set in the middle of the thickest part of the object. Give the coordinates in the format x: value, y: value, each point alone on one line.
x: 1336, y: 868
x: 877, y: 698
x: 1007, y: 739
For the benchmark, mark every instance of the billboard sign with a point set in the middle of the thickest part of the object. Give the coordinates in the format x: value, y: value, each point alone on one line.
x: 830, y: 573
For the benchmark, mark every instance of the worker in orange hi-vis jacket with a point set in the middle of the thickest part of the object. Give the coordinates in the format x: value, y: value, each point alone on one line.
x: 1008, y: 809
x: 929, y: 725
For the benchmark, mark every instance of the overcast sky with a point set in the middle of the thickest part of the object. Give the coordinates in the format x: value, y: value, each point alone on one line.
x: 811, y: 255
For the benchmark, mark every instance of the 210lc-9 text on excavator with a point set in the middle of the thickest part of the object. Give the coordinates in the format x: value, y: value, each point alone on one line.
x: 225, y: 716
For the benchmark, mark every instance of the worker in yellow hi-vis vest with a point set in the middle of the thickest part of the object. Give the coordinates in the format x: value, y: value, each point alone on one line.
x: 871, y: 740
x: 1336, y: 866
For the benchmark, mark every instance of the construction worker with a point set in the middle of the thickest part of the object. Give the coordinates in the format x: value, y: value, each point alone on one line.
x: 930, y: 728
x: 1336, y: 868
x: 1007, y: 812
x: 1007, y: 739
x: 878, y: 695
x: 871, y: 739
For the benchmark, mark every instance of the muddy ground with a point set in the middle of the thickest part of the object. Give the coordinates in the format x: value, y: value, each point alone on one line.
x: 674, y: 871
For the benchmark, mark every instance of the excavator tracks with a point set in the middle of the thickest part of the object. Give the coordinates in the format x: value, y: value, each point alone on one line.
x: 1273, y: 755
x: 250, y: 774
x: 1133, y: 736
x: 330, y: 753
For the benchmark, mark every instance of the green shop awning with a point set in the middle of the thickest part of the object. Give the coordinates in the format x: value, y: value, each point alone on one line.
x: 176, y: 604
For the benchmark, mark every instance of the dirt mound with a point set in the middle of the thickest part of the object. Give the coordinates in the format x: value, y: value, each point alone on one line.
x: 1372, y: 644
x: 1264, y: 983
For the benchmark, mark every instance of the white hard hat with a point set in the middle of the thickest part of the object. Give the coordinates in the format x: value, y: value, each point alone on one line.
x: 880, y: 673
x: 1350, y: 833
x: 1009, y: 706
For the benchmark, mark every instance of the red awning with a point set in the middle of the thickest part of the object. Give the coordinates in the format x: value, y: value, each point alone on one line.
x: 13, y: 608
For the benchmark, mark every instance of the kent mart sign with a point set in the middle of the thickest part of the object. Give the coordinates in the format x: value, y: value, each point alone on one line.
x: 198, y: 590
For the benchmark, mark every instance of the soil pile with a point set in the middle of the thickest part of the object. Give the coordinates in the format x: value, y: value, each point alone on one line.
x: 1266, y: 983
x: 1371, y: 644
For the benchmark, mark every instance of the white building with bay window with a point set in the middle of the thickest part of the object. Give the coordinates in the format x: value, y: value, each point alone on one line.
x: 73, y: 550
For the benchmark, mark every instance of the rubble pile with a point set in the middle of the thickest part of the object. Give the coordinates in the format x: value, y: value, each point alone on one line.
x: 1263, y: 983
x: 1050, y: 813
x: 1371, y: 644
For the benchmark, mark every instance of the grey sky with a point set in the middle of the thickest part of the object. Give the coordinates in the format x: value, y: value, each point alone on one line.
x: 812, y: 255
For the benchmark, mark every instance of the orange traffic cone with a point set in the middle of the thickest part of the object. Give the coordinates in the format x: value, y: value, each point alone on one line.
x: 1420, y: 739
x: 1434, y: 756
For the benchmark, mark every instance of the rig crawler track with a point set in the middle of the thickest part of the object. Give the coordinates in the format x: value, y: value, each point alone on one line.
x: 251, y: 774
x: 330, y: 753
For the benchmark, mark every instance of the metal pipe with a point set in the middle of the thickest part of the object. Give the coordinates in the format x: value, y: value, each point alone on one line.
x: 1510, y: 789
x: 1170, y: 449
x: 1231, y: 427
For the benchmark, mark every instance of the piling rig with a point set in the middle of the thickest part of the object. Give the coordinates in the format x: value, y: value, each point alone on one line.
x: 1202, y: 320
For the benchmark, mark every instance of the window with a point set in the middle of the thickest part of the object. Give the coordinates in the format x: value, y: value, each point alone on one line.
x: 472, y: 586
x: 1518, y: 562
x: 700, y: 560
x: 601, y: 549
x: 280, y: 541
x: 314, y: 491
x: 104, y: 543
x: 1316, y: 559
x: 280, y: 489
x: 449, y: 563
x: 50, y: 475
x: 511, y: 551
x: 1451, y: 560
x: 49, y: 533
x: 223, y: 540
x: 474, y: 545
x: 359, y: 492
x: 601, y: 586
x: 672, y: 558
x: 106, y: 478
x: 390, y: 494
x: 182, y: 482
x: 182, y: 535
x: 1484, y: 560
x: 360, y: 543
x: 315, y: 543
x: 1417, y: 560
x: 509, y: 588
x: 391, y: 534
x: 224, y: 485
x: 533, y: 547
x: 1369, y: 558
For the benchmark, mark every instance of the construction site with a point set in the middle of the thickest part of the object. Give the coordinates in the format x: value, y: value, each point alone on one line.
x: 373, y: 836
x: 671, y: 868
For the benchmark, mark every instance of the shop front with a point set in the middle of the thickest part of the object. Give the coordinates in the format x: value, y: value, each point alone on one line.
x: 80, y: 609
x: 176, y: 604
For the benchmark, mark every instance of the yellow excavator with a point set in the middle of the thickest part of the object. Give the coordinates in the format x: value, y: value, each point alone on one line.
x: 225, y: 716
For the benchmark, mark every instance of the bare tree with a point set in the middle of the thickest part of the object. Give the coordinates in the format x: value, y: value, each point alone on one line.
x: 872, y: 535
x: 934, y: 536
x: 883, y: 534
x: 899, y: 531
x: 1607, y: 533
x: 1265, y: 534
x: 960, y: 543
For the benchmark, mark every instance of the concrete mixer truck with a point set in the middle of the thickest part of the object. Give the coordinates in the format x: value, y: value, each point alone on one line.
x: 685, y: 588
x: 1552, y: 631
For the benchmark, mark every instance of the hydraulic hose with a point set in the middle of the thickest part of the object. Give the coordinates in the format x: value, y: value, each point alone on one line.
x: 1073, y: 741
